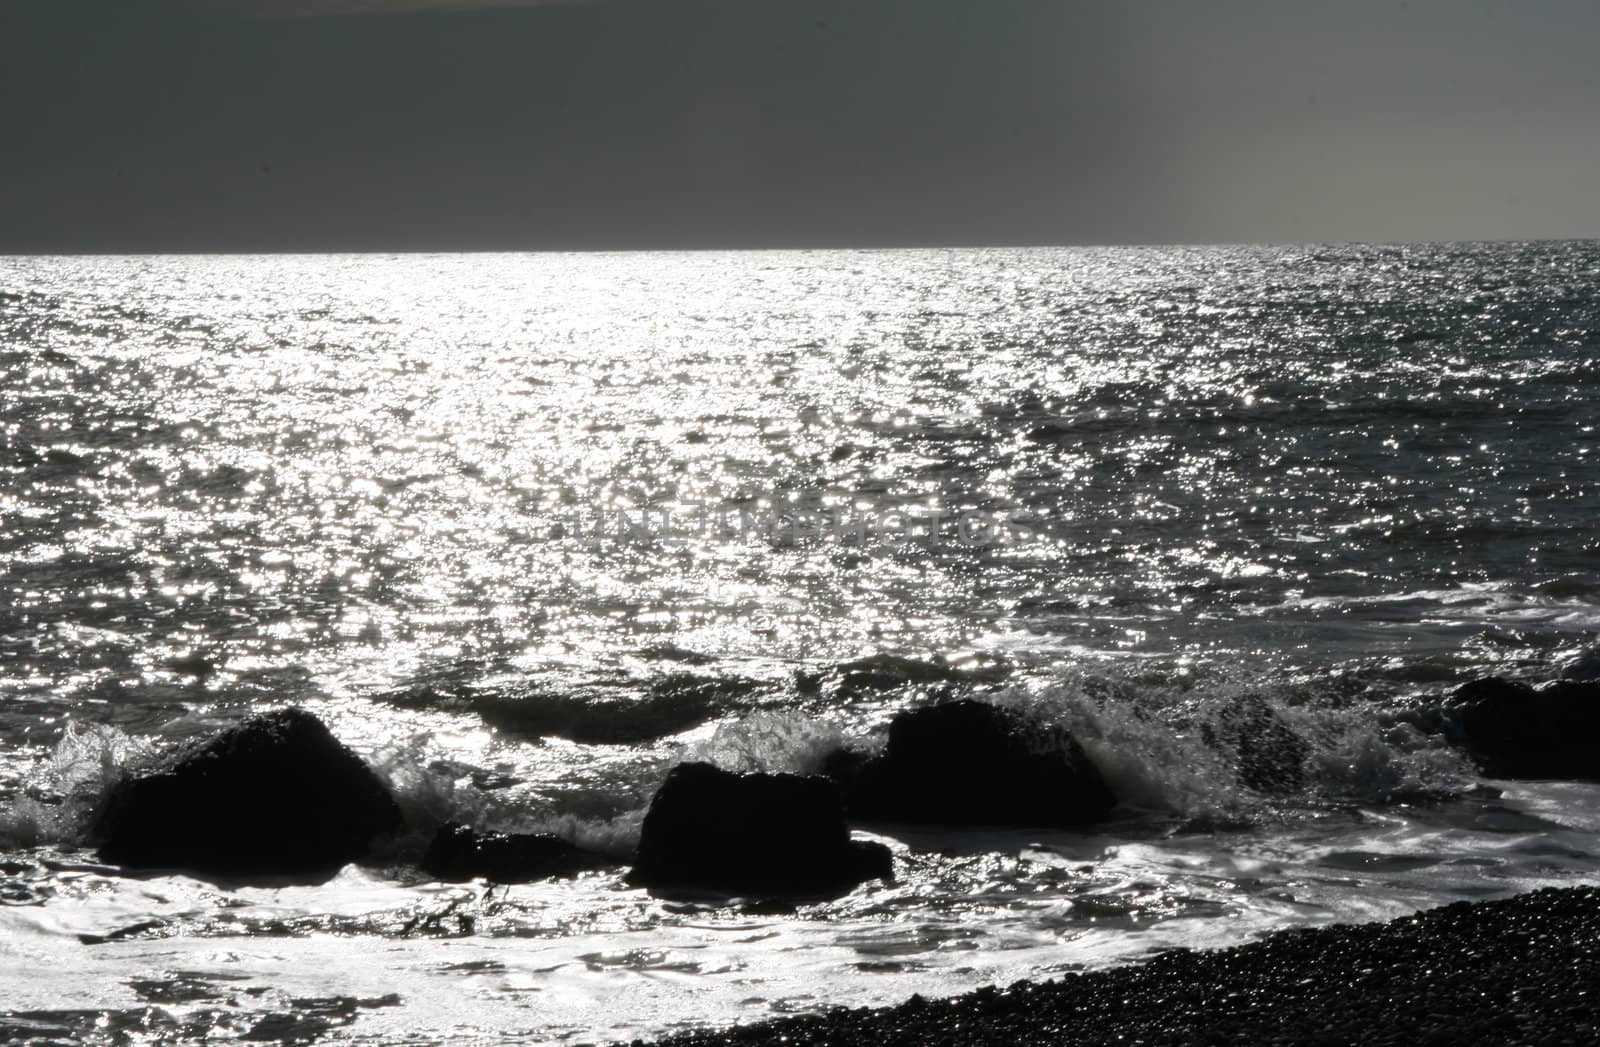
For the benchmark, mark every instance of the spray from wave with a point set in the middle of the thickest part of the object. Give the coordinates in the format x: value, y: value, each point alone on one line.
x: 59, y: 797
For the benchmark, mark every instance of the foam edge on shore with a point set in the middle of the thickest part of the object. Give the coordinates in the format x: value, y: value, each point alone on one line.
x: 1524, y: 969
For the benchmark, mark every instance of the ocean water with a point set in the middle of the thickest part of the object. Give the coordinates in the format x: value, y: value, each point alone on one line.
x: 528, y: 529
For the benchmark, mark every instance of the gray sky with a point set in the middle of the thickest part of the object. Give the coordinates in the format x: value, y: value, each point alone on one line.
x: 460, y: 124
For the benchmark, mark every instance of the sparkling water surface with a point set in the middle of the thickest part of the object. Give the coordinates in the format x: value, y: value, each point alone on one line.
x: 399, y: 489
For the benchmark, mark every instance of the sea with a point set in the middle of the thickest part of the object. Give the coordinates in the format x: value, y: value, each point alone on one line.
x: 526, y: 530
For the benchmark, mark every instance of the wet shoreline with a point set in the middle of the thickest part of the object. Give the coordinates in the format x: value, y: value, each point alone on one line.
x: 1517, y: 970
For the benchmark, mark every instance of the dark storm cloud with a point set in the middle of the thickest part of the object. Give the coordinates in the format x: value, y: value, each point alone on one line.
x: 198, y: 124
x: 326, y: 8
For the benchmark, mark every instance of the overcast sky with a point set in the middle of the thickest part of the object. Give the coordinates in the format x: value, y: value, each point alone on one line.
x: 466, y: 124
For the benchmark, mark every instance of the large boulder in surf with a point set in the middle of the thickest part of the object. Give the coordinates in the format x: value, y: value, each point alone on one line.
x: 971, y: 763
x: 1269, y: 756
x: 276, y: 797
x: 459, y: 853
x: 771, y: 835
x: 1513, y: 730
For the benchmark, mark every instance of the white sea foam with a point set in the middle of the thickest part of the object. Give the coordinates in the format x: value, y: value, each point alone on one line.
x: 62, y: 791
x: 1152, y: 744
x: 774, y: 741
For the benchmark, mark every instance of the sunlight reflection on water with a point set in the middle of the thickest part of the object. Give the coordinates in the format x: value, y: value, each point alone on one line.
x: 363, y: 482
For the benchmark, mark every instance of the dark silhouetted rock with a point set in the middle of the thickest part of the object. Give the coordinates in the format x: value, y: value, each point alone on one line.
x: 761, y: 834
x: 276, y: 796
x: 1516, y: 731
x: 609, y: 710
x: 1270, y: 756
x: 843, y: 767
x: 969, y: 763
x: 457, y: 853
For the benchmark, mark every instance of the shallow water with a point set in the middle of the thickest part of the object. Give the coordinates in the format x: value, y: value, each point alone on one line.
x: 526, y: 529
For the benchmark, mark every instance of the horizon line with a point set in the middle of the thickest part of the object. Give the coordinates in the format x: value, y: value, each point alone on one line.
x: 232, y: 252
